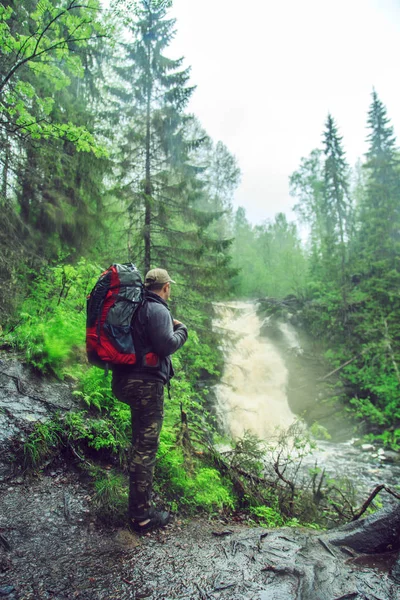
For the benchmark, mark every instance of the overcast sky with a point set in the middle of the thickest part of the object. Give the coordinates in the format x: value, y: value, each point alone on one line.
x: 269, y: 71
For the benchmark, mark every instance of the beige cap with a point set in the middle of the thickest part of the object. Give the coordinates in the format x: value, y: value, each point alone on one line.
x: 157, y: 276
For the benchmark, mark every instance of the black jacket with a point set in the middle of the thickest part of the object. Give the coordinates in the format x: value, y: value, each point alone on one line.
x: 155, y: 338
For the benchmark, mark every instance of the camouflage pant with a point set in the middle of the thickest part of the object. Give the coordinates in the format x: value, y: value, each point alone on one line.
x: 146, y: 399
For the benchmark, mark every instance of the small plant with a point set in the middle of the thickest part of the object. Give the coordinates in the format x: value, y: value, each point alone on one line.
x: 95, y: 389
x: 111, y: 498
x: 319, y: 432
x: 268, y: 516
x: 248, y: 453
x: 42, y: 443
x: 202, y: 488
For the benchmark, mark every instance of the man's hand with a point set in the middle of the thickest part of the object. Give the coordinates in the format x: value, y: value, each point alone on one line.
x: 177, y: 322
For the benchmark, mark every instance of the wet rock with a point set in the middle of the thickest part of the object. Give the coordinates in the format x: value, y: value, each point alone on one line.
x: 26, y: 397
x: 392, y: 457
x: 367, y: 447
x: 6, y: 590
x: 376, y: 533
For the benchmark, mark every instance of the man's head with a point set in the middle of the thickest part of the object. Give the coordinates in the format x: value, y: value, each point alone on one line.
x: 159, y: 282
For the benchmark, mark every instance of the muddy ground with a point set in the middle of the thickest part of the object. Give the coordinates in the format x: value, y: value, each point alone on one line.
x: 52, y: 547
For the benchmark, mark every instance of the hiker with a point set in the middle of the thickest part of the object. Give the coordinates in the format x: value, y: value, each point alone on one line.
x: 156, y: 335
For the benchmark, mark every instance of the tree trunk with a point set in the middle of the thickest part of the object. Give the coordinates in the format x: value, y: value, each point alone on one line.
x: 4, y: 186
x: 148, y: 187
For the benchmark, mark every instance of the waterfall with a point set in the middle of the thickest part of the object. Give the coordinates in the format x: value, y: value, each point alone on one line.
x: 291, y: 338
x: 252, y: 393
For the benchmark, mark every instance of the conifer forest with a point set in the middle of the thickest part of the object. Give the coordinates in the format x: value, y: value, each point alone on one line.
x: 102, y: 162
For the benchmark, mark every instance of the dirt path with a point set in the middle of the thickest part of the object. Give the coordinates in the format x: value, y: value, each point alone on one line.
x: 51, y: 547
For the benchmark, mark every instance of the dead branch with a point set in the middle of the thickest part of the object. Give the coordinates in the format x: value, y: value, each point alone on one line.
x: 325, y: 545
x: 287, y: 481
x: 370, y: 498
x: 348, y: 362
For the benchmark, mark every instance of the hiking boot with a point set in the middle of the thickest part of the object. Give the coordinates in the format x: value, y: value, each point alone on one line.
x: 157, y: 518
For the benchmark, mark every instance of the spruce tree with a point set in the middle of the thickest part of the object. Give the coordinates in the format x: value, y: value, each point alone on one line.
x: 162, y: 187
x: 379, y: 235
x: 377, y: 281
x: 336, y: 207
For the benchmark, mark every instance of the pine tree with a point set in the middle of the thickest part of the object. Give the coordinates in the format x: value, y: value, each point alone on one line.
x: 161, y: 185
x: 377, y: 257
x: 379, y: 235
x: 336, y: 206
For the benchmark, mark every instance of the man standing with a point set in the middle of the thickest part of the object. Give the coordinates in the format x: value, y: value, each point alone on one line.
x: 156, y: 336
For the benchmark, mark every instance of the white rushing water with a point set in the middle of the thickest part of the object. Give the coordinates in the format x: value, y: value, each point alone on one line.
x: 252, y: 393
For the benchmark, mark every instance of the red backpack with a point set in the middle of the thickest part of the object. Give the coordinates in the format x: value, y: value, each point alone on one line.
x: 111, y: 306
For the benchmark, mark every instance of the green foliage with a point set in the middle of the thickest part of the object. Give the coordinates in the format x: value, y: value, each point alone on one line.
x: 197, y: 487
x: 247, y: 453
x: 319, y: 432
x: 51, y: 335
x: 100, y: 432
x: 202, y: 488
x: 165, y: 200
x: 52, y: 162
x: 269, y: 258
x: 39, y: 50
x: 95, y: 389
x: 389, y: 439
x: 51, y: 327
